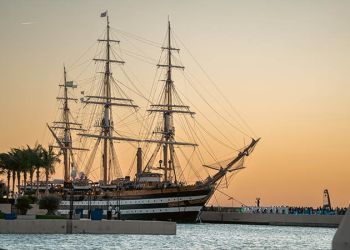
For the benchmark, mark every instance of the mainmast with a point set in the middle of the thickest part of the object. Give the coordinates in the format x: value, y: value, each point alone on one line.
x: 168, y: 133
x: 106, y: 125
x: 65, y: 125
x: 106, y: 99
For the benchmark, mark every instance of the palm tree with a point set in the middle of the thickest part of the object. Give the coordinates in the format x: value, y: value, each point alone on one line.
x: 31, y: 176
x: 18, y: 157
x: 49, y: 159
x: 34, y: 155
x: 6, y: 167
x: 38, y: 165
x: 12, y: 162
x: 9, y: 161
x: 25, y: 165
x: 37, y: 179
x: 27, y: 168
x: 13, y: 180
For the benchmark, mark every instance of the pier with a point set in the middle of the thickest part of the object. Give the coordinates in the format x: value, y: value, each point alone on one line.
x: 271, y: 219
x: 62, y: 226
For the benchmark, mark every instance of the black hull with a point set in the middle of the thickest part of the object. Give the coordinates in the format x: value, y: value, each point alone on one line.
x: 179, y: 217
x: 182, y: 206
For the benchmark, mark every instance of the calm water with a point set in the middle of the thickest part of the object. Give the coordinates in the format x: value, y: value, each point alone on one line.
x: 195, y: 236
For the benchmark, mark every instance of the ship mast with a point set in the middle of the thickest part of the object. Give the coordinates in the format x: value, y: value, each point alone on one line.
x: 107, y: 101
x: 168, y: 108
x: 65, y: 125
x: 168, y: 133
x: 67, y: 136
x: 106, y: 120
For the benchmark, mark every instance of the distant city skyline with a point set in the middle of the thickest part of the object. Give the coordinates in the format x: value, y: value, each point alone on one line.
x: 282, y: 64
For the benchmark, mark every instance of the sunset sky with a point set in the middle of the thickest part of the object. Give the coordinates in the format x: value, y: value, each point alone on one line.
x: 284, y: 65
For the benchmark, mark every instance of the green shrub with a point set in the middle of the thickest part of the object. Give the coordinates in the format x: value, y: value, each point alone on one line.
x: 33, y: 199
x: 2, y: 215
x: 50, y: 203
x: 23, y: 204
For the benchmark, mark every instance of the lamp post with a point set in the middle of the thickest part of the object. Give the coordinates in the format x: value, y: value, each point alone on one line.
x: 73, y: 174
x: 71, y: 203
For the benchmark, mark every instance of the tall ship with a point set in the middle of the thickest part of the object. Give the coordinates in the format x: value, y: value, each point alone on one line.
x: 158, y: 190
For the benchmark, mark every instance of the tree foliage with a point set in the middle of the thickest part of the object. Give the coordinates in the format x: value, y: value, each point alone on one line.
x: 23, y: 204
x: 50, y: 203
x: 19, y: 162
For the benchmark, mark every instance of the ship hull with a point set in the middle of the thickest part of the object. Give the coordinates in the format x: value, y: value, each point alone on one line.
x: 179, y: 217
x: 173, y: 204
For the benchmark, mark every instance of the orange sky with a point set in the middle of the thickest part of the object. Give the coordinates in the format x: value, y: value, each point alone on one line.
x: 283, y: 65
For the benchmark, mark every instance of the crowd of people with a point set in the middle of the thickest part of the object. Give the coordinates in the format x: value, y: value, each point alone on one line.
x: 294, y: 210
x: 319, y: 210
x: 280, y: 210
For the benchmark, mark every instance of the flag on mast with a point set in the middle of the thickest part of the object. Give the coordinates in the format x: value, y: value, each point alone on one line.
x: 69, y: 84
x: 104, y: 14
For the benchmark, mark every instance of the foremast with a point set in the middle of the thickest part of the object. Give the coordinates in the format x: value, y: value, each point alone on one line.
x: 168, y: 119
x: 64, y: 127
x: 168, y: 108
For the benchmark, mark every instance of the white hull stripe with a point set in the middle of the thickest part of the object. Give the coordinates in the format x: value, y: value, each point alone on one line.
x: 162, y: 210
x: 148, y: 211
x: 133, y: 202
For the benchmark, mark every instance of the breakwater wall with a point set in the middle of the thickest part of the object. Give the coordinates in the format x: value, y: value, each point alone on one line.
x: 87, y: 227
x: 271, y: 219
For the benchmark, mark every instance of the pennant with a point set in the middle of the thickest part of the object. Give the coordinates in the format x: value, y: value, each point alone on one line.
x: 104, y: 14
x: 69, y: 84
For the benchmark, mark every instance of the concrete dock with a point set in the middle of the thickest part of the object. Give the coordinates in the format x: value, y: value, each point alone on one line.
x: 61, y: 226
x: 272, y: 219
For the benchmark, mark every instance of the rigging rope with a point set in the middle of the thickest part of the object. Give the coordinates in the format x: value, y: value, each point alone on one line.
x: 215, y: 85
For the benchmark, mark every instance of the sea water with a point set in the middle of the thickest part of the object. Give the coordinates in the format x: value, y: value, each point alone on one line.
x: 189, y: 236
